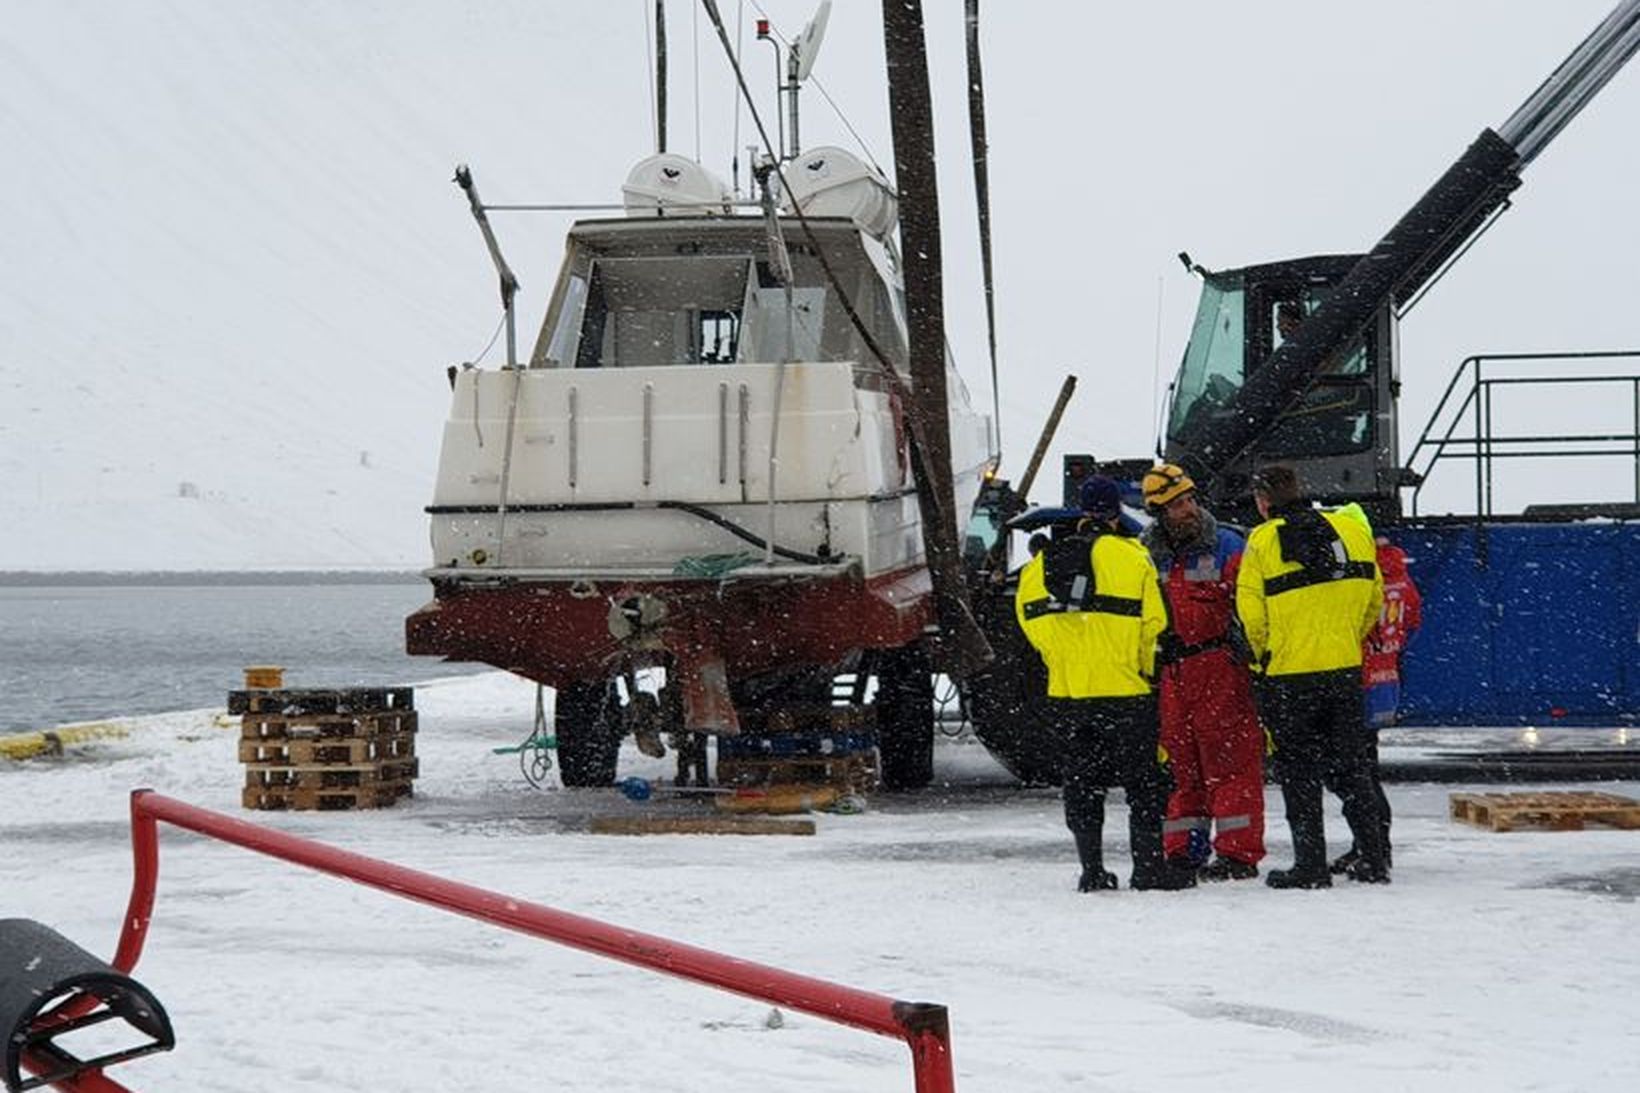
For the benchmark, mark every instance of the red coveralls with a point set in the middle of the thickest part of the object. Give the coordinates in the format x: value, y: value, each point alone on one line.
x: 1209, y: 725
x: 1381, y: 652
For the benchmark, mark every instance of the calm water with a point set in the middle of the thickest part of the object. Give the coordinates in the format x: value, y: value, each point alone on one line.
x: 84, y: 653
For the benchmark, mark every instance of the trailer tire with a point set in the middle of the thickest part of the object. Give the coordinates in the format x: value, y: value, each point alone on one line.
x: 905, y: 718
x: 586, y: 722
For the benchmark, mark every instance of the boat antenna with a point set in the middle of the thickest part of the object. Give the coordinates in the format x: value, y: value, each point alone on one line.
x: 694, y: 44
x: 660, y: 75
x: 734, y: 144
x: 819, y: 85
x: 764, y: 34
x: 982, y: 201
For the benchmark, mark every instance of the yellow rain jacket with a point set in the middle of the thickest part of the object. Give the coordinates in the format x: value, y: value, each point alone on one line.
x: 1308, y: 610
x: 1103, y: 645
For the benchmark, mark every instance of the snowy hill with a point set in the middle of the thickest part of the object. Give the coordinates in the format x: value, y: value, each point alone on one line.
x: 235, y: 269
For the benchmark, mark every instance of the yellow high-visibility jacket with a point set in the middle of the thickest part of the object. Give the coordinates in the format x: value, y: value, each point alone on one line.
x: 1105, y: 647
x: 1314, y: 619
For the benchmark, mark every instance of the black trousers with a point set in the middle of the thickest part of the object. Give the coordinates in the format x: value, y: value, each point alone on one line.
x: 1378, y: 791
x: 1318, y: 721
x: 1112, y: 742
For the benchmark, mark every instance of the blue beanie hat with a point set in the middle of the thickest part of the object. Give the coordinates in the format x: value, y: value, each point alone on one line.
x: 1101, y: 498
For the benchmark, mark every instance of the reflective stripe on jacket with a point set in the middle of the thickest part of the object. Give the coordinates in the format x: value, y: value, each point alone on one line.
x: 1301, y: 619
x: 1108, y: 648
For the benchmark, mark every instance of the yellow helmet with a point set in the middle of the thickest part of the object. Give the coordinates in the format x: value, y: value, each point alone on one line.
x: 1164, y: 482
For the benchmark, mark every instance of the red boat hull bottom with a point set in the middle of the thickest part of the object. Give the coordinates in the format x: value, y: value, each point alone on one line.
x: 563, y: 632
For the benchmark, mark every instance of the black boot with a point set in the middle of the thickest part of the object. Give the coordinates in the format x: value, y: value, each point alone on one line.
x: 1367, y: 872
x: 1304, y: 817
x: 1151, y: 871
x: 1342, y: 863
x: 1299, y: 878
x: 1090, y: 849
x: 1222, y: 868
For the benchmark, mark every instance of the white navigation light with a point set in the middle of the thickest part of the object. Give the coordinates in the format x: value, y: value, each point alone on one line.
x: 672, y: 184
x: 808, y: 40
x: 832, y: 182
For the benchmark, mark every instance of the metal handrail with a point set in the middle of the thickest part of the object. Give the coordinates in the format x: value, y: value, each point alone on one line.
x: 923, y: 1026
x: 1480, y: 445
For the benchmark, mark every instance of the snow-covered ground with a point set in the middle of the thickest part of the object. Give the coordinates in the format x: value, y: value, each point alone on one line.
x: 1495, y: 961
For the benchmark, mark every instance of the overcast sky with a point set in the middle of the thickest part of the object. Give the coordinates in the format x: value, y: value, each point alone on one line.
x: 234, y: 258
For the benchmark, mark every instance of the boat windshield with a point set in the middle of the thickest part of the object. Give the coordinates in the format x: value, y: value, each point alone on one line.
x: 616, y: 311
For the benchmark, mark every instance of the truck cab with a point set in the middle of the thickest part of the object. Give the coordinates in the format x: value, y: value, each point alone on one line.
x: 1339, y: 431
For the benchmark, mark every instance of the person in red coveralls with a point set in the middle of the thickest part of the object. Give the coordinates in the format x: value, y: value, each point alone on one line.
x: 1381, y: 663
x: 1209, y: 725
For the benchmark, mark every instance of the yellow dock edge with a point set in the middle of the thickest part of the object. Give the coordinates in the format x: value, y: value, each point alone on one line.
x: 29, y: 745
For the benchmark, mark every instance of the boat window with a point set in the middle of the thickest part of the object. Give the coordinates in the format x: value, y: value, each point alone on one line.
x: 720, y: 309
x: 1212, y: 371
x: 661, y: 311
x: 774, y: 333
x: 562, y: 340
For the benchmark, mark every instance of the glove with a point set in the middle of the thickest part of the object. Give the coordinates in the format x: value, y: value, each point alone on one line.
x: 1169, y: 648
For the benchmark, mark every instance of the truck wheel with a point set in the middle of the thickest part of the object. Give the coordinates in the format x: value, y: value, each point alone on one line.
x: 905, y: 718
x: 585, y: 721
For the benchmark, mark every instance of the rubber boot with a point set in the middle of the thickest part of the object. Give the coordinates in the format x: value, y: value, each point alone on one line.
x: 1152, y: 871
x: 1363, y: 808
x: 1090, y: 848
x: 1304, y: 817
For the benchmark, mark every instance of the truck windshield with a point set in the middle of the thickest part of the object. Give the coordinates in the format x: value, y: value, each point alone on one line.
x: 1213, y: 370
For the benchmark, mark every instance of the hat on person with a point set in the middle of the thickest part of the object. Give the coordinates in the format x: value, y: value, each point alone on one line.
x: 1101, y: 498
x: 1163, y: 483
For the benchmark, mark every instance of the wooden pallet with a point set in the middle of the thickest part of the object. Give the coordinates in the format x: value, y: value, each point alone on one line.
x: 1556, y: 811
x: 330, y: 776
x: 380, y: 795
x: 319, y: 750
x: 855, y: 773
x: 281, y: 726
x: 813, y: 719
x: 317, y: 701
x: 698, y: 825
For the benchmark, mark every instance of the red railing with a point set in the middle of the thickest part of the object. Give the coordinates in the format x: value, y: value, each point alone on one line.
x: 922, y: 1025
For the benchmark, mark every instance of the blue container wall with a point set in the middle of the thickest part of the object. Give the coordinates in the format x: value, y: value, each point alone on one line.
x: 1533, y: 624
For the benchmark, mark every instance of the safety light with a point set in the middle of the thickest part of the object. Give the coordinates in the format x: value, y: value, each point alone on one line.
x: 762, y: 29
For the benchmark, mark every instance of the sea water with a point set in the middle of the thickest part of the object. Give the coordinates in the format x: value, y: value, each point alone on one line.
x: 94, y: 649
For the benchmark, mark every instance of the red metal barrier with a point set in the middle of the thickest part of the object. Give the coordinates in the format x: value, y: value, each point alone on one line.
x: 922, y: 1025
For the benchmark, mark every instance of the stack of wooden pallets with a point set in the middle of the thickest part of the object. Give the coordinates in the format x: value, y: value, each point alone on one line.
x: 326, y: 749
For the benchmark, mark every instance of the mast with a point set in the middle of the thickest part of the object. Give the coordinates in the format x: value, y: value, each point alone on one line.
x: 964, y: 647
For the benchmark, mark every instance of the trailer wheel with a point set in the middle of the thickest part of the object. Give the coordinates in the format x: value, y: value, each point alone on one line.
x: 586, y: 721
x: 905, y: 718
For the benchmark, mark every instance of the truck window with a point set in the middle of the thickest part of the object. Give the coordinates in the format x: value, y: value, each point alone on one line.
x: 1212, y: 371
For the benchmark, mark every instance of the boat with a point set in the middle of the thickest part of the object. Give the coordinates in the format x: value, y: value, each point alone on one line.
x: 704, y: 468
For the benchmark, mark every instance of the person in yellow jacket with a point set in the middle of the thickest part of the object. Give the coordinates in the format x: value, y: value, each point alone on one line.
x: 1091, y: 605
x: 1308, y: 593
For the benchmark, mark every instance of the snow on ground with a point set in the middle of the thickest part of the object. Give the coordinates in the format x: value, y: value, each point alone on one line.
x: 1501, y: 961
